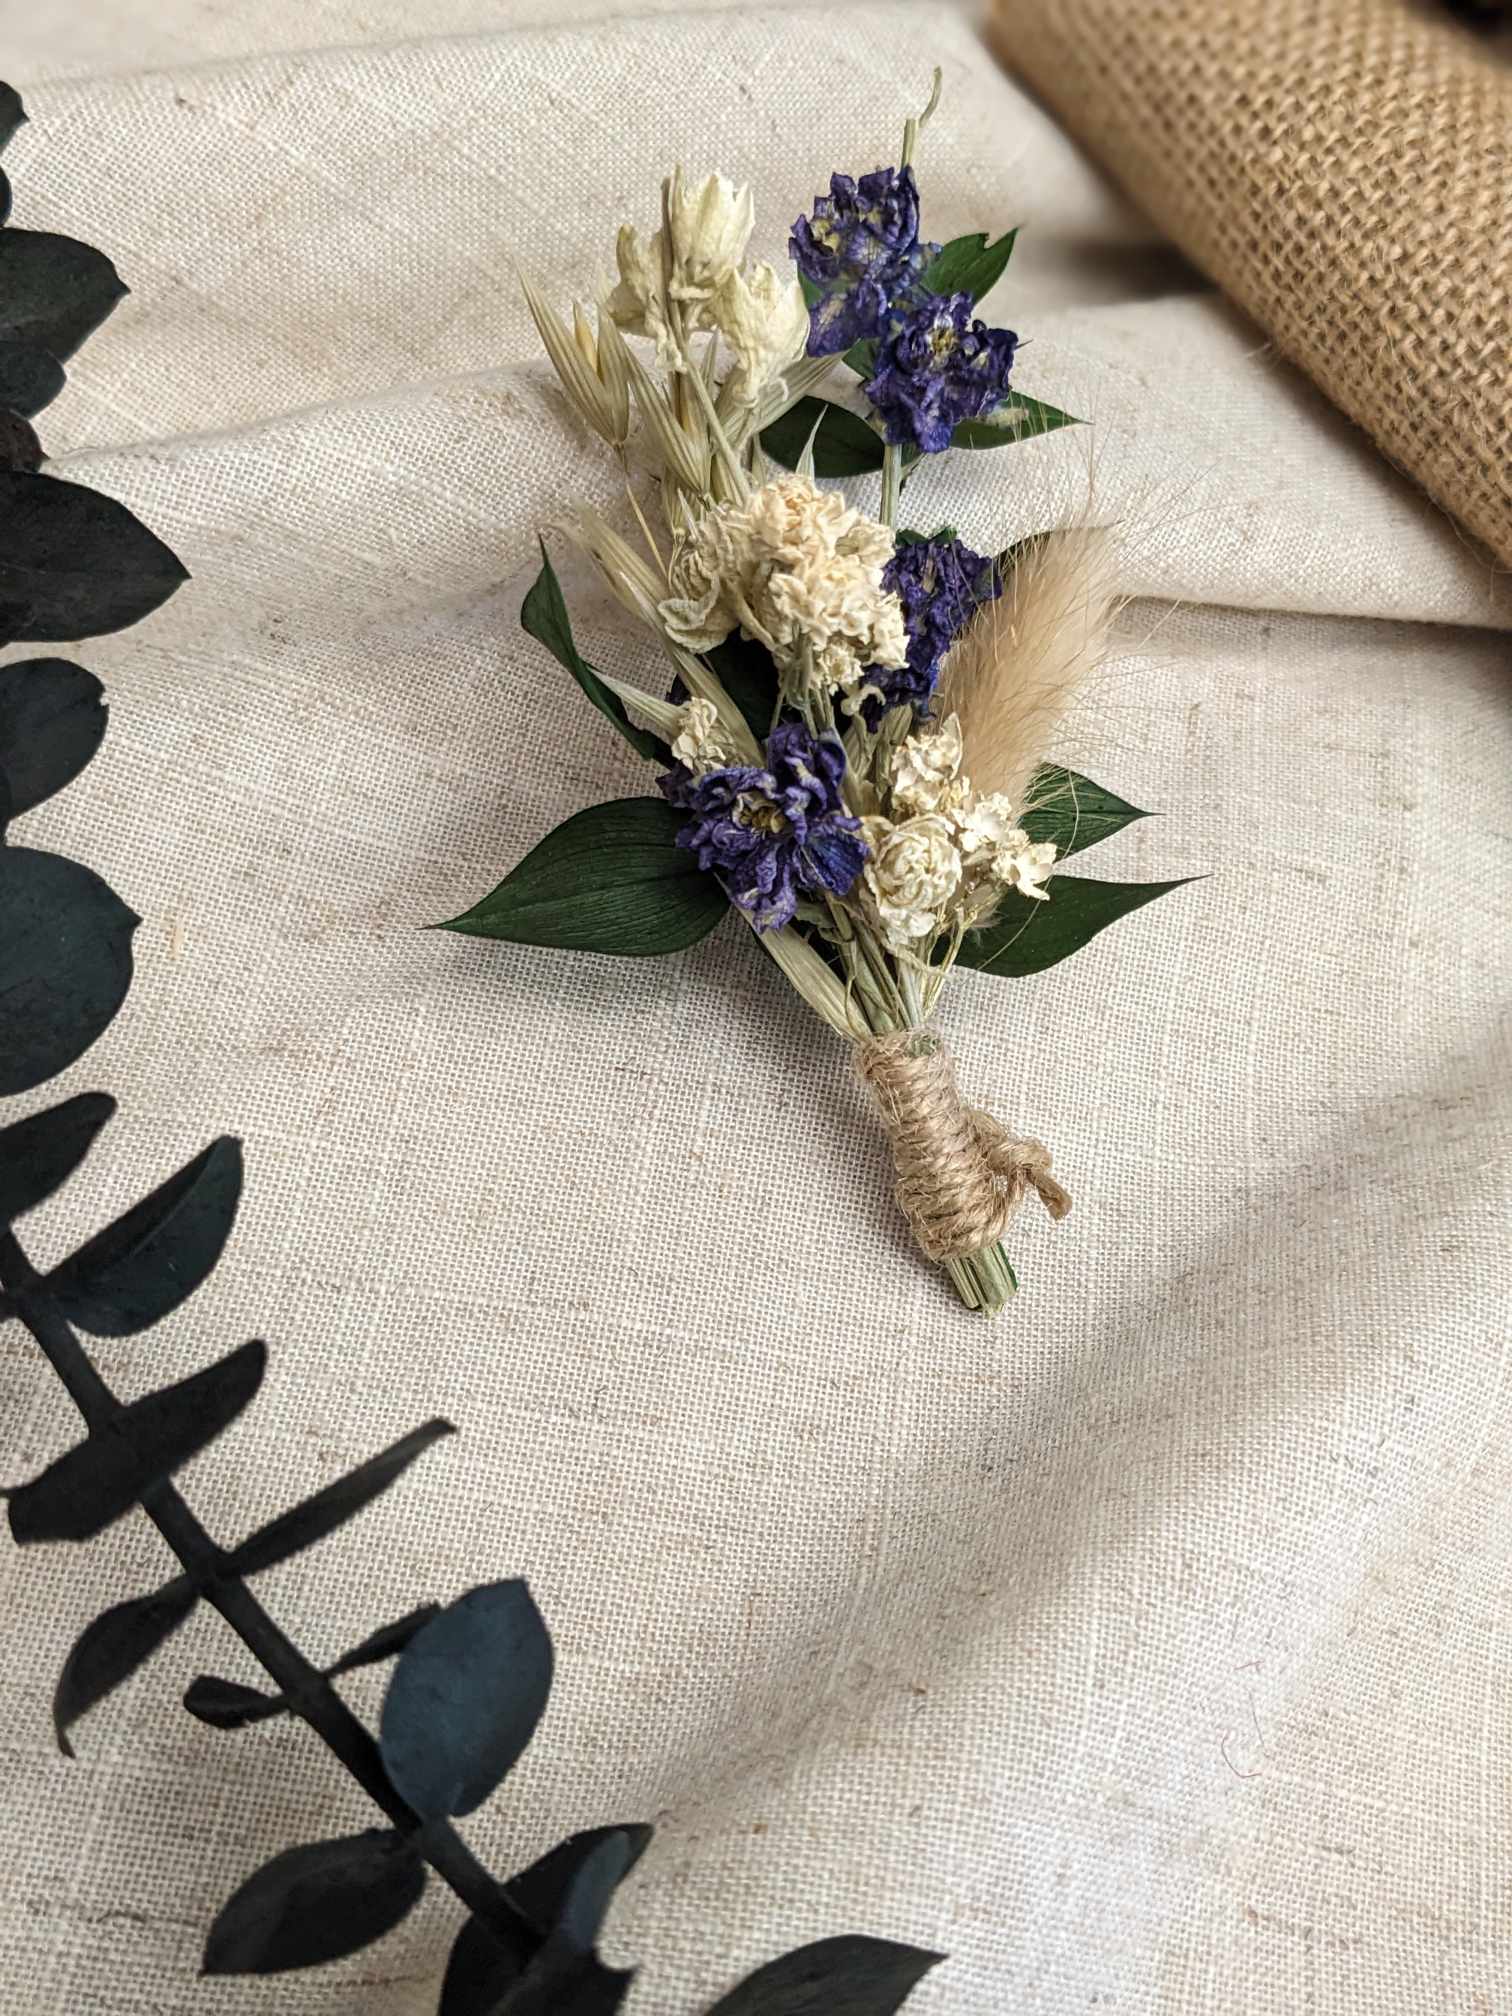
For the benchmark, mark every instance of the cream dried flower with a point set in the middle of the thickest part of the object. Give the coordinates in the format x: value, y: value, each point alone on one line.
x: 926, y: 770
x: 765, y: 321
x: 1024, y: 864
x: 699, y: 744
x: 998, y: 853
x: 799, y: 570
x: 711, y: 226
x: 911, y: 877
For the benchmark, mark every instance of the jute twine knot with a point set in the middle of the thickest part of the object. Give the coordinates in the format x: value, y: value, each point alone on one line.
x: 961, y: 1175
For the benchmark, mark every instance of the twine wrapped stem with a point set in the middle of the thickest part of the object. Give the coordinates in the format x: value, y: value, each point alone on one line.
x: 961, y: 1175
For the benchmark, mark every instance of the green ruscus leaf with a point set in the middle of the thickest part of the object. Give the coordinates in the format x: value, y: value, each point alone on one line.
x: 969, y: 265
x: 543, y: 614
x: 1019, y: 418
x: 1073, y: 811
x: 844, y: 445
x: 1027, y: 936
x: 610, y: 879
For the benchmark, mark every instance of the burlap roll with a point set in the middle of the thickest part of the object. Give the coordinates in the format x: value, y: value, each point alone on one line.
x: 1341, y: 168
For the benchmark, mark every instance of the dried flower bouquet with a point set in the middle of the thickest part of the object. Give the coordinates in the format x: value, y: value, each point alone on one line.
x: 851, y: 753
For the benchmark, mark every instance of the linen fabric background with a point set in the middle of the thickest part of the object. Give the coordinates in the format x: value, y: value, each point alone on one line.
x: 1147, y: 1650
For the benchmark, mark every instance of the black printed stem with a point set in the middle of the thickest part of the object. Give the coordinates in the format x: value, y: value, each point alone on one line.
x: 309, y: 1694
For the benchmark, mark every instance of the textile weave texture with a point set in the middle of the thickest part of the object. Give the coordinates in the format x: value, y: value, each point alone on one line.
x: 1146, y: 1651
x: 1339, y: 167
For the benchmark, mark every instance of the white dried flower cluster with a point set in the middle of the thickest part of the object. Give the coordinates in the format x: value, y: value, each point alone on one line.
x: 944, y: 856
x: 700, y: 744
x: 691, y: 276
x: 799, y: 570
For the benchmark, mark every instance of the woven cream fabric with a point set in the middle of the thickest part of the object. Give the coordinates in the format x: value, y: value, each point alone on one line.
x: 1147, y: 1651
x: 1341, y: 168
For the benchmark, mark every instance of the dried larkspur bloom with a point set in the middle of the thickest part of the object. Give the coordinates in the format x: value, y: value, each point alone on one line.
x: 937, y: 365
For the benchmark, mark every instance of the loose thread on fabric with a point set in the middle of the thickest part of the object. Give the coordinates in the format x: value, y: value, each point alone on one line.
x: 961, y: 1174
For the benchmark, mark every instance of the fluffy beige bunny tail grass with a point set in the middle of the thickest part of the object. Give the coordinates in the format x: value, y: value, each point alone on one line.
x: 1015, y: 672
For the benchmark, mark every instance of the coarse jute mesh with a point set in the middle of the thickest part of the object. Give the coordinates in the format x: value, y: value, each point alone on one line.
x: 1341, y: 168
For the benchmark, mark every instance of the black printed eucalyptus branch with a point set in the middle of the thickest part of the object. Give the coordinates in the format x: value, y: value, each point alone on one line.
x: 470, y: 1680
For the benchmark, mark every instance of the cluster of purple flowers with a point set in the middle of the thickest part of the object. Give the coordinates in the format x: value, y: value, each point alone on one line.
x: 940, y: 583
x: 935, y: 364
x: 774, y: 834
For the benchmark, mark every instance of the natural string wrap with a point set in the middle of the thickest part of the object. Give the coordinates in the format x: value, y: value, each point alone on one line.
x: 961, y: 1175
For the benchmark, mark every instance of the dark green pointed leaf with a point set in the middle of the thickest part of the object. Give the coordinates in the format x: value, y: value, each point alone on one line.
x: 465, y: 1698
x: 105, y: 1475
x: 484, y: 1963
x: 75, y: 563
x: 1027, y: 936
x: 316, y: 1903
x: 19, y: 447
x: 848, y: 1976
x: 65, y: 964
x: 114, y: 1646
x: 610, y: 879
x: 155, y: 1255
x: 927, y: 538
x: 39, y: 1154
x: 52, y: 720
x: 969, y: 265
x: 30, y: 377
x: 844, y: 445
x: 746, y: 672
x: 1019, y: 418
x: 225, y: 1704
x: 311, y: 1520
x: 1073, y: 811
x: 53, y: 291
x: 543, y: 614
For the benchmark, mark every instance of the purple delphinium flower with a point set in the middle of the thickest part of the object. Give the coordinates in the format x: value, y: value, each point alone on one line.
x: 773, y: 834
x: 940, y: 583
x: 937, y: 366
x: 861, y: 248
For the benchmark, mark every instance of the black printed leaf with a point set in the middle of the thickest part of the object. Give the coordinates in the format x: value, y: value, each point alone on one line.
x: 316, y: 1903
x: 65, y: 964
x: 844, y: 445
x: 612, y: 878
x: 747, y: 674
x: 485, y: 1963
x: 39, y: 1154
x: 54, y: 291
x: 544, y: 615
x: 112, y: 1649
x: 1073, y: 811
x: 156, y: 1254
x: 19, y: 446
x: 75, y: 563
x: 30, y: 377
x: 52, y: 720
x: 1026, y: 935
x: 848, y: 1976
x: 12, y: 114
x: 5, y: 197
x: 566, y: 1977
x: 300, y: 1527
x: 80, y: 1494
x: 224, y: 1704
x: 465, y: 1698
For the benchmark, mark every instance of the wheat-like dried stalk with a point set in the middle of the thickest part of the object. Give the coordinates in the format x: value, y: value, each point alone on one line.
x: 1017, y: 668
